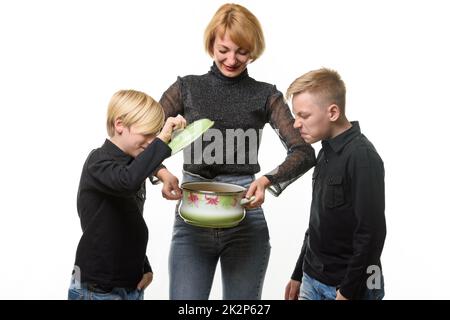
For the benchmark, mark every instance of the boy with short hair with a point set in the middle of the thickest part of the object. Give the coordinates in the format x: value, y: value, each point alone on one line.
x: 110, y: 260
x: 347, y: 227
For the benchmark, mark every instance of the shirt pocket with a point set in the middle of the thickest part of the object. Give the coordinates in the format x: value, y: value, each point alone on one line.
x: 334, y: 195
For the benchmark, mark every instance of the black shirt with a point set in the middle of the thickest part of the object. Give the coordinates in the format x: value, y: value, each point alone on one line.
x: 110, y: 203
x: 240, y: 108
x: 347, y: 225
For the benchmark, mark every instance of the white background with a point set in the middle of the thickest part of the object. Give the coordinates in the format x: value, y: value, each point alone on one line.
x: 60, y: 61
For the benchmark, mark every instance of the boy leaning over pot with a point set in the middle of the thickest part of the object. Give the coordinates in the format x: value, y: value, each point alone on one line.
x: 340, y: 257
x: 110, y: 260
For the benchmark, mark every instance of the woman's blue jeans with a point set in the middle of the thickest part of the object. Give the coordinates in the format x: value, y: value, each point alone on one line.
x: 243, y: 252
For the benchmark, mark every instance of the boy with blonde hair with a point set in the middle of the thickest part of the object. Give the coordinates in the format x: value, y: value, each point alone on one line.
x: 340, y: 257
x: 110, y: 260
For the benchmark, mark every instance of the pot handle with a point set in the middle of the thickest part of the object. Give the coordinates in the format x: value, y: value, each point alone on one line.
x: 245, y: 201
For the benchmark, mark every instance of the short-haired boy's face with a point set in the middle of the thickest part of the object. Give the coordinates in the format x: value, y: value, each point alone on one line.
x: 133, y: 143
x: 311, y: 118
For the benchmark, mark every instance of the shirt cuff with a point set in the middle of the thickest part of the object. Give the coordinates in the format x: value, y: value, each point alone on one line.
x: 153, y: 178
x: 147, y: 266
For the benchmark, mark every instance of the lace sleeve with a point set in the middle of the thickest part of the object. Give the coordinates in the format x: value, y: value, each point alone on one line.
x: 300, y: 155
x: 173, y: 105
x: 171, y: 100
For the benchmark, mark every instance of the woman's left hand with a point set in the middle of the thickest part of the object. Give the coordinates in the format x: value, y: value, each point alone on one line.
x: 257, y: 189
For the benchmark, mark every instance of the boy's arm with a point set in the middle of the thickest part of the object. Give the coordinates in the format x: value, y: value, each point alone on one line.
x: 154, y: 179
x: 147, y: 266
x: 298, y: 271
x: 147, y: 276
x: 367, y: 183
x: 123, y: 180
x: 292, y: 289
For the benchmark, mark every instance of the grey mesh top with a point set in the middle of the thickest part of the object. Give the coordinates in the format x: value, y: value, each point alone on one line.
x: 240, y: 107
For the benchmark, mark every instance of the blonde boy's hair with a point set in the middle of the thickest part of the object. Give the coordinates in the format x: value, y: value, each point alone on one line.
x: 135, y: 109
x: 242, y: 26
x: 325, y: 83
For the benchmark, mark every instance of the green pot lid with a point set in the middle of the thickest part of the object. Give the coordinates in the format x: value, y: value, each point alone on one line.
x: 182, y: 138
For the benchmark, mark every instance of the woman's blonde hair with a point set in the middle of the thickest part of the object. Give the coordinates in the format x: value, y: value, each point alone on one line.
x: 135, y: 109
x: 325, y: 84
x: 242, y: 26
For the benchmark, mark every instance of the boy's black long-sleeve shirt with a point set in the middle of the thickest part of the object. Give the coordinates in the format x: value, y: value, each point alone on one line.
x: 110, y: 203
x: 347, y: 225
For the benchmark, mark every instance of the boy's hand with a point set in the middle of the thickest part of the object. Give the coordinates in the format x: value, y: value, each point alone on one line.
x: 171, y: 124
x: 170, y: 189
x: 147, y: 278
x: 292, y: 290
x: 257, y: 189
x: 339, y: 296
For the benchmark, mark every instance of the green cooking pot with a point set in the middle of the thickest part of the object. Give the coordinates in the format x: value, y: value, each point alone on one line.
x: 213, y: 204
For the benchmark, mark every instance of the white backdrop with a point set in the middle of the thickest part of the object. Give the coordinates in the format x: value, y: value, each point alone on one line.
x: 60, y: 61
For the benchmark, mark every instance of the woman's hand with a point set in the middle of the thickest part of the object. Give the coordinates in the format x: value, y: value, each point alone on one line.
x: 257, y: 189
x: 147, y: 278
x: 170, y: 189
x: 172, y: 123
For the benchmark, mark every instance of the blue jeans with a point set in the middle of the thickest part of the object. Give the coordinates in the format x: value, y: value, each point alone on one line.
x: 243, y: 252
x: 312, y: 289
x: 83, y: 292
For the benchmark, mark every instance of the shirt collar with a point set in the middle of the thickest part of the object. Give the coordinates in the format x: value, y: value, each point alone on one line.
x: 340, y: 141
x: 115, y: 151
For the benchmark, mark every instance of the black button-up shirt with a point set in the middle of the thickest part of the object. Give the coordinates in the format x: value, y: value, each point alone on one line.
x: 110, y: 203
x: 347, y: 225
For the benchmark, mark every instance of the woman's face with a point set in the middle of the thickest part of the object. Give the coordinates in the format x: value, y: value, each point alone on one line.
x: 230, y: 59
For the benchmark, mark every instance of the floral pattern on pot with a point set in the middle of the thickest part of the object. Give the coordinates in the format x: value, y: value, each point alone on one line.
x: 212, y: 200
x: 226, y: 202
x: 192, y: 199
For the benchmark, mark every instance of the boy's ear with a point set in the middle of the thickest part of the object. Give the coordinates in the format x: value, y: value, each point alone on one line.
x: 334, y: 112
x: 118, y: 126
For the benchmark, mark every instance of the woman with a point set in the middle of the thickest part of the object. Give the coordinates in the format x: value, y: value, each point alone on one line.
x: 240, y: 107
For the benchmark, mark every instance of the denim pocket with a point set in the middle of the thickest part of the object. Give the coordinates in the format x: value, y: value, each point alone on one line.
x: 334, y: 195
x: 75, y: 294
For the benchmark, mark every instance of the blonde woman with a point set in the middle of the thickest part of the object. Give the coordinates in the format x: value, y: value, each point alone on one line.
x: 110, y: 261
x: 240, y: 107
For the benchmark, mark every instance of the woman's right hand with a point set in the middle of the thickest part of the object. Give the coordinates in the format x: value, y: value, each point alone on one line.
x: 170, y: 189
x: 172, y: 123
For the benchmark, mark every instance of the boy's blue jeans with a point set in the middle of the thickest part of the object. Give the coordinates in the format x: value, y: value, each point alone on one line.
x: 312, y: 289
x: 243, y: 252
x: 84, y: 291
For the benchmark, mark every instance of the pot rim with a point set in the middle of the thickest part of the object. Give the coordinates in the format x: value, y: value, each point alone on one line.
x: 185, y: 186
